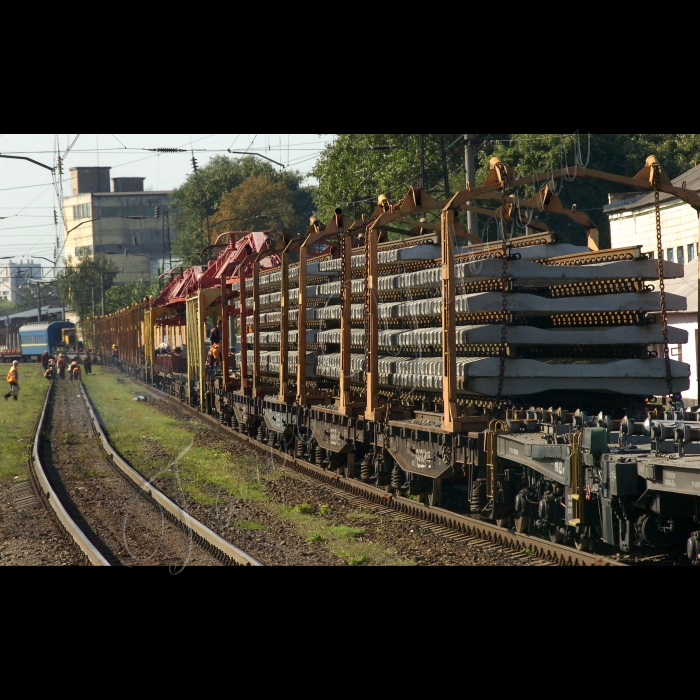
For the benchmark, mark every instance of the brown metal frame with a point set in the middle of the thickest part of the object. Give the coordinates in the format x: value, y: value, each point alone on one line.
x: 544, y: 199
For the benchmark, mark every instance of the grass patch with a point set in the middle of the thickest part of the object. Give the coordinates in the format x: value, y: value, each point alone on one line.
x: 362, y: 515
x: 70, y: 439
x: 342, y: 540
x: 324, y: 510
x: 163, y: 448
x: 343, y: 532
x: 358, y: 561
x: 304, y: 509
x: 17, y: 420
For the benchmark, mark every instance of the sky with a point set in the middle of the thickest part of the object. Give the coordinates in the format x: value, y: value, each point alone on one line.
x: 28, y: 194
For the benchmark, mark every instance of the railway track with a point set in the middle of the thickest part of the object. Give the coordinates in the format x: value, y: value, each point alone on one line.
x: 84, y: 536
x: 448, y: 524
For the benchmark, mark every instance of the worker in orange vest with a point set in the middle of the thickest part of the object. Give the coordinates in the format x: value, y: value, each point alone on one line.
x: 13, y: 380
x: 50, y: 373
x: 61, y: 364
x: 74, y: 370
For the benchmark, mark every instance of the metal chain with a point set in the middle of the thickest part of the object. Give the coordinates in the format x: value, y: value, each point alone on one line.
x: 368, y: 300
x: 662, y: 287
x: 504, y: 288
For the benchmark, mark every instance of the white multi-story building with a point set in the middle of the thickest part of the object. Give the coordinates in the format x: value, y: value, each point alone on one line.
x: 120, y: 222
x: 13, y: 274
x: 633, y: 222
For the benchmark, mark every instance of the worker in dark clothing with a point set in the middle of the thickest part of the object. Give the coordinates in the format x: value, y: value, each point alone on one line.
x: 61, y: 364
x: 45, y: 360
x: 215, y: 335
x: 88, y: 363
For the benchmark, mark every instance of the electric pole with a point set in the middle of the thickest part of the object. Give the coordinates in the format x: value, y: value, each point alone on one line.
x: 38, y: 302
x: 166, y: 218
x: 470, y: 168
x: 421, y: 140
x: 102, y: 279
x: 444, y: 166
x: 94, y: 314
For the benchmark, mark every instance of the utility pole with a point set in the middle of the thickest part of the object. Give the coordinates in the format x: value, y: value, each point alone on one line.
x: 38, y: 302
x: 444, y: 166
x: 102, y: 279
x: 421, y: 141
x: 93, y: 296
x: 470, y: 168
x: 166, y: 219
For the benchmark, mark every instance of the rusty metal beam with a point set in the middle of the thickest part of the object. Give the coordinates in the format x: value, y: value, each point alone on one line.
x: 373, y: 411
x: 450, y: 420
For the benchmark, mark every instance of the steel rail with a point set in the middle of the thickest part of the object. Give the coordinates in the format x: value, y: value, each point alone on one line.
x: 205, y: 536
x: 463, y: 524
x: 50, y: 497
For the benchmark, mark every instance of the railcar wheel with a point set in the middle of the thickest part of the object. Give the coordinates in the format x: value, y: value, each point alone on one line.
x: 556, y: 535
x: 504, y: 522
x: 583, y: 543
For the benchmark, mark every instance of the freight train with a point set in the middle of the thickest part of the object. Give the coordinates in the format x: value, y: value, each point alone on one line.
x: 441, y: 367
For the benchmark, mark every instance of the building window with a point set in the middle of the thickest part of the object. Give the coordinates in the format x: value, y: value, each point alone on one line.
x: 83, y: 251
x: 81, y: 211
x: 681, y: 257
x: 691, y: 252
x: 669, y: 255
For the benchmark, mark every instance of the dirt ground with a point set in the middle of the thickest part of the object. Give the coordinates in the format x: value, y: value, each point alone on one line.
x: 280, y: 543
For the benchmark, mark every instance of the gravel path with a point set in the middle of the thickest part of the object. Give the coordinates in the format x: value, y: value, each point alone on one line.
x: 28, y: 534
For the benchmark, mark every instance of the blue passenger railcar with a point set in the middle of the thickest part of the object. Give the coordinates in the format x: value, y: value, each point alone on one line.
x: 37, y: 338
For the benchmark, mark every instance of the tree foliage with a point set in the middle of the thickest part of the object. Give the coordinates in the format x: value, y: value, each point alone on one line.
x: 197, y: 201
x: 349, y: 171
x: 356, y: 168
x: 122, y: 295
x: 82, y: 280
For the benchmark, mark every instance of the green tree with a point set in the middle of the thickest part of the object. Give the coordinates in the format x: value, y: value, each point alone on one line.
x: 246, y: 202
x: 356, y: 168
x: 120, y: 296
x: 621, y: 154
x: 353, y: 168
x: 81, y: 282
x: 198, y: 199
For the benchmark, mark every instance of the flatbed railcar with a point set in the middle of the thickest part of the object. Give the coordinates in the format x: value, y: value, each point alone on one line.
x: 441, y: 367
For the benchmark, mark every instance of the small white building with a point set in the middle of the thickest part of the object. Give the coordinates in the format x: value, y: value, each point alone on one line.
x: 632, y: 219
x: 13, y: 274
x: 687, y: 321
